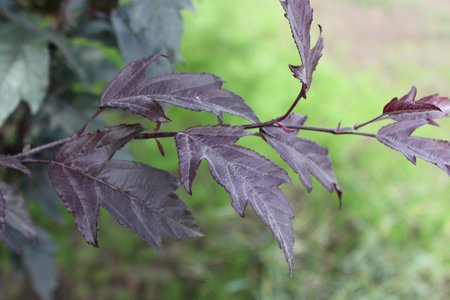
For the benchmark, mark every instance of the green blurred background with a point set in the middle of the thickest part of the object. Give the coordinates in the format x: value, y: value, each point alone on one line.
x: 391, y: 238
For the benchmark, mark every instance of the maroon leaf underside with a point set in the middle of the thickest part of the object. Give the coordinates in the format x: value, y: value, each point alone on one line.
x: 139, y: 197
x: 398, y: 137
x: 247, y: 176
x: 305, y: 157
x: 408, y: 108
x: 77, y: 163
x: 11, y: 162
x: 300, y: 16
x: 131, y: 91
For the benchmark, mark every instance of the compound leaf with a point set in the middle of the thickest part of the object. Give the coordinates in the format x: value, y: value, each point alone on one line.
x: 24, y: 69
x: 73, y: 170
x: 11, y: 162
x: 247, y: 176
x: 305, y: 157
x: 398, y: 137
x: 300, y: 16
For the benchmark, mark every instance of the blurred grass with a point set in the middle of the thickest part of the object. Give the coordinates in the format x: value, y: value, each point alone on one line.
x: 390, y: 240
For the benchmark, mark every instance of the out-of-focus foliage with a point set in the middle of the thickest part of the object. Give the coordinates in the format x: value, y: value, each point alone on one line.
x: 57, y: 56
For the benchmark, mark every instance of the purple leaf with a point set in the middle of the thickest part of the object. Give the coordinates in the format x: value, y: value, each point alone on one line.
x: 300, y: 16
x: 138, y: 197
x: 16, y: 214
x: 398, y: 137
x: 122, y: 93
x: 74, y: 166
x: 131, y: 91
x: 305, y: 157
x: 247, y: 176
x: 141, y: 199
x: 408, y: 108
x: 11, y: 162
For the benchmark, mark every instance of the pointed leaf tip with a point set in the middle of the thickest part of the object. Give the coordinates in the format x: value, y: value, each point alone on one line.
x: 300, y: 16
x: 247, y: 176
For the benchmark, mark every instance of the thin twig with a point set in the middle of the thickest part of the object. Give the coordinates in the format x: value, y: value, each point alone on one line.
x: 155, y: 135
x: 379, y: 118
x: 35, y: 161
x: 41, y: 148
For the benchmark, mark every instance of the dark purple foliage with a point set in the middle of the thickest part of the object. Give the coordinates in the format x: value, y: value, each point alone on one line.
x: 11, y: 162
x: 123, y: 93
x: 305, y: 157
x: 247, y: 176
x: 142, y: 199
x: 131, y: 91
x: 139, y: 197
x: 300, y: 16
x: 398, y: 137
x: 75, y: 168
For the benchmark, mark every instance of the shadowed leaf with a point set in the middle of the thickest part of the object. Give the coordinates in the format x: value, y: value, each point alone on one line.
x: 7, y: 161
x: 16, y: 214
x: 247, y: 176
x: 24, y: 67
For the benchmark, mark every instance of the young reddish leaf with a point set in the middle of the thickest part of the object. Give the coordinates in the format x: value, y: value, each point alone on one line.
x: 142, y: 199
x: 11, y: 162
x: 408, y: 108
x: 194, y: 91
x: 300, y: 16
x: 407, y: 104
x: 398, y: 137
x: 305, y: 157
x: 74, y: 165
x: 16, y: 213
x: 121, y: 92
x: 247, y: 176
